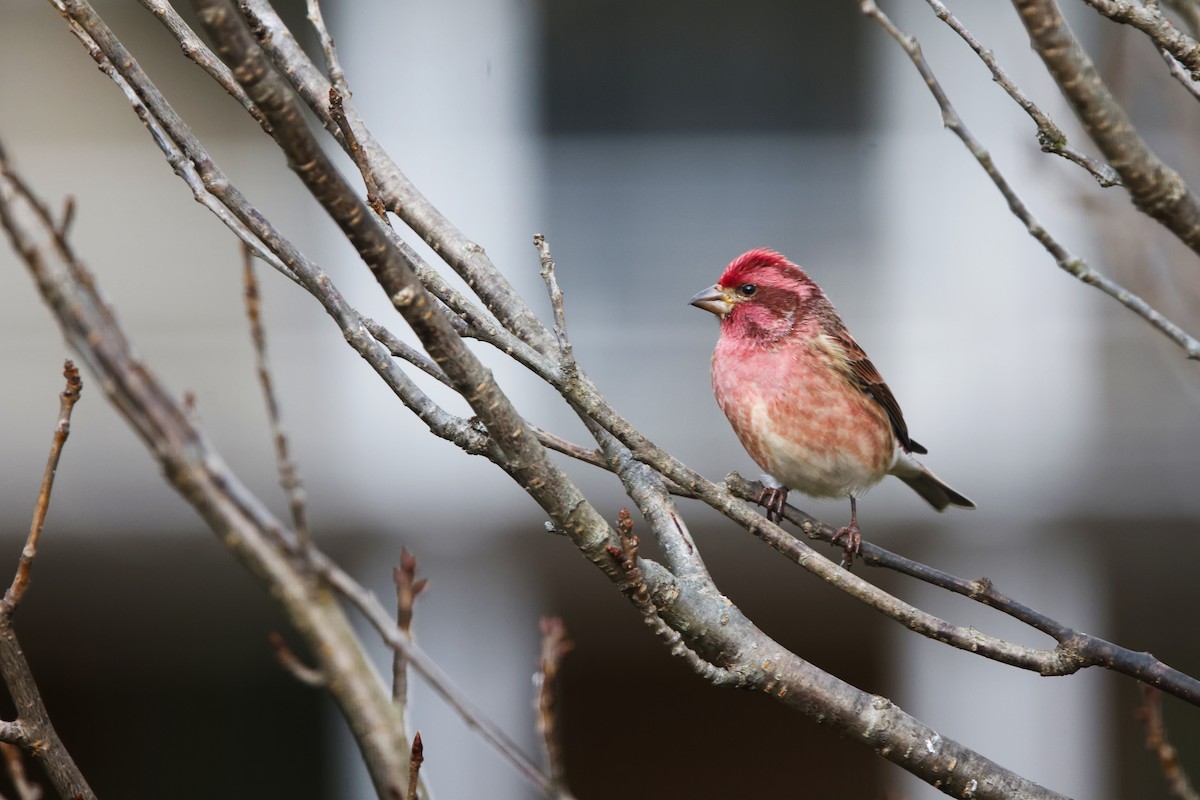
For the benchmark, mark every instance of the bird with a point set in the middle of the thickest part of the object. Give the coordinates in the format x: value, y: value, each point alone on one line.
x: 803, y: 398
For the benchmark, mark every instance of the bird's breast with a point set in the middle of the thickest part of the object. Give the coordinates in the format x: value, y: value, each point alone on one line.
x: 801, y: 420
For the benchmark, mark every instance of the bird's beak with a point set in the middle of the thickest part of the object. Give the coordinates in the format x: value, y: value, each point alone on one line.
x: 715, y: 299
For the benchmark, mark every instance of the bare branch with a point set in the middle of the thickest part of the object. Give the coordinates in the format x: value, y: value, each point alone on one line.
x: 68, y: 217
x: 510, y: 445
x: 407, y: 589
x: 309, y: 676
x: 199, y: 53
x: 1066, y: 260
x: 393, y: 637
x: 638, y: 591
x: 1178, y: 784
x: 715, y: 631
x: 723, y: 636
x: 67, y: 400
x: 555, y: 645
x: 1049, y: 135
x: 219, y: 195
x: 336, y: 76
x: 556, y: 299
x: 1150, y: 21
x: 14, y: 762
x: 1180, y: 73
x: 32, y: 730
x: 398, y: 193
x: 337, y: 112
x: 289, y: 474
x: 1154, y: 187
x: 231, y: 511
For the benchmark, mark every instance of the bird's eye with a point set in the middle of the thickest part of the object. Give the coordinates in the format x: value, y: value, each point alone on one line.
x: 747, y: 289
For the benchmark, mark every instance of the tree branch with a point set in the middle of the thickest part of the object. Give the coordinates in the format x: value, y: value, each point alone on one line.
x: 1066, y: 260
x: 67, y: 400
x: 687, y: 601
x: 200, y: 476
x: 1154, y: 187
x: 1150, y: 21
x: 1049, y: 135
x: 398, y: 193
x: 289, y: 473
x: 510, y: 444
x: 32, y: 730
x: 1178, y: 784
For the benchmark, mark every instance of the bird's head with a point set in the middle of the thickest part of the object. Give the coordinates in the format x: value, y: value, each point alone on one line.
x: 760, y: 295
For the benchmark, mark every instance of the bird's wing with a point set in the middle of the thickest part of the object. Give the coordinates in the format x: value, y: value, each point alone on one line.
x: 855, y: 365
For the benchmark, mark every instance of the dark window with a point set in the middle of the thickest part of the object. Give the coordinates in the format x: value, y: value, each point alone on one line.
x: 629, y: 66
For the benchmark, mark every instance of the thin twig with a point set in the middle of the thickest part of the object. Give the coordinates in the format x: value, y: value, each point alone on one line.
x: 196, y: 50
x: 414, y: 766
x: 636, y: 589
x: 392, y: 636
x: 1067, y: 261
x: 14, y: 763
x: 336, y: 76
x: 309, y: 676
x: 289, y: 474
x: 213, y: 189
x: 1049, y: 135
x: 68, y: 217
x: 208, y: 184
x: 401, y: 349
x: 1179, y: 73
x: 235, y: 516
x: 555, y: 645
x: 338, y: 114
x: 1075, y: 651
x: 67, y: 400
x: 556, y: 299
x: 1179, y: 785
x: 33, y: 730
x: 407, y: 589
x: 1150, y: 20
x: 588, y: 455
x: 1155, y: 188
x: 398, y: 193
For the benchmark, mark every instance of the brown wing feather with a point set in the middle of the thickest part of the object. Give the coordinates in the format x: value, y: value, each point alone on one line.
x: 862, y: 373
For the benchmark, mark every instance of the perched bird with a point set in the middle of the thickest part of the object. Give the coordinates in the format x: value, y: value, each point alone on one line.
x: 802, y: 396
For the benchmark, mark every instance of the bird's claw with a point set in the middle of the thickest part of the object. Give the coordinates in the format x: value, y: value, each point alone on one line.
x: 851, y: 547
x: 773, y: 498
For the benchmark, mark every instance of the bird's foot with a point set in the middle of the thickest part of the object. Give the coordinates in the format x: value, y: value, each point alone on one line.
x: 852, y: 546
x: 773, y: 498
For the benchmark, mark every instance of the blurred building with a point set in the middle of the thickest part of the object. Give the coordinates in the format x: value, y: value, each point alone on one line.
x: 652, y: 143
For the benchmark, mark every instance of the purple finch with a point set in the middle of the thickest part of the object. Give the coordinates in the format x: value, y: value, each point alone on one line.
x: 802, y: 396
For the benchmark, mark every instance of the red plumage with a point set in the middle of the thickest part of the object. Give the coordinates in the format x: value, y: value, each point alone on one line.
x: 802, y: 396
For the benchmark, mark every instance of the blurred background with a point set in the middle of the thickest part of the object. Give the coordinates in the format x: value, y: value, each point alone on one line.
x: 651, y: 143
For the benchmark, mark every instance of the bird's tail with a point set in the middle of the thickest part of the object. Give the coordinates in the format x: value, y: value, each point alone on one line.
x: 935, y: 491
